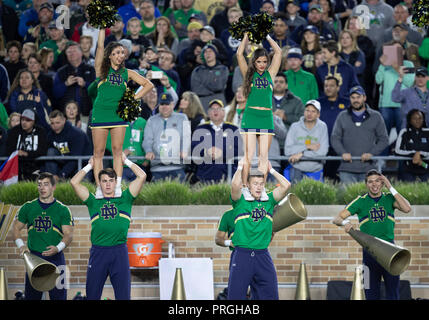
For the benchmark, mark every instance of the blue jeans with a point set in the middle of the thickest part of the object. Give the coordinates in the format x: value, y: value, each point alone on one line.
x: 351, y: 177
x: 173, y: 174
x: 392, y: 118
x: 296, y: 175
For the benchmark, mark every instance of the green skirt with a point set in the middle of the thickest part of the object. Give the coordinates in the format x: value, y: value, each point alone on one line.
x: 257, y: 121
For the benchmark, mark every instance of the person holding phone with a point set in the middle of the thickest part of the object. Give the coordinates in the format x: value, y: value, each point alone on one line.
x: 386, y: 76
x: 109, y: 68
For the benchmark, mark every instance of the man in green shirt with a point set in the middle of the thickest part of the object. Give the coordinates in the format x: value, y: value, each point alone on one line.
x: 251, y: 263
x: 110, y: 221
x: 375, y: 211
x: 181, y: 17
x: 301, y: 83
x: 50, y: 229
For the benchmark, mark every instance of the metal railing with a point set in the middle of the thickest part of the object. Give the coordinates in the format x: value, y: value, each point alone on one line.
x: 230, y: 162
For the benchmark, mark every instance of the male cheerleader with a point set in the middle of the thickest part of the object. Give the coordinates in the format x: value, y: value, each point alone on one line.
x: 110, y: 220
x: 251, y: 263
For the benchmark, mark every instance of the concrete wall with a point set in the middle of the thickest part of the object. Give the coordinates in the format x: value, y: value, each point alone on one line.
x: 329, y: 253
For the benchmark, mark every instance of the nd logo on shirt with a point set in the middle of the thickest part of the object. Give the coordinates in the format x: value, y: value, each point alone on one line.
x: 109, y: 211
x: 258, y: 214
x: 261, y: 83
x: 377, y: 214
x: 42, y: 224
x: 115, y: 79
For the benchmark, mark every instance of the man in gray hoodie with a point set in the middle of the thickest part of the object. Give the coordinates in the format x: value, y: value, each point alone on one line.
x: 377, y: 16
x: 307, y: 137
x: 167, y: 140
x: 361, y: 132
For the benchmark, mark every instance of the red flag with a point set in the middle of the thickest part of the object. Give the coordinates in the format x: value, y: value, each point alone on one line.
x: 9, y: 170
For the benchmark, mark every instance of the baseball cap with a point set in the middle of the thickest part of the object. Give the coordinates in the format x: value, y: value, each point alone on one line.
x: 165, y: 98
x: 46, y: 5
x: 194, y: 16
x: 127, y: 44
x: 194, y: 25
x: 29, y: 114
x: 358, y: 90
x: 422, y: 71
x: 312, y: 29
x: 294, y: 53
x: 52, y: 25
x: 316, y: 7
x: 295, y: 2
x: 209, y: 29
x: 403, y: 26
x: 150, y: 48
x: 315, y: 104
x: 218, y: 101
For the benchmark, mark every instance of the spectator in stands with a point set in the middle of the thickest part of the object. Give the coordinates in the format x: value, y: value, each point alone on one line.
x: 387, y: 77
x: 309, y: 46
x: 47, y: 56
x: 188, y: 61
x: 234, y: 111
x: 85, y: 29
x: 163, y: 36
x: 400, y: 15
x: 193, y: 34
x: 72, y: 80
x: 31, y: 142
x: 301, y: 83
x: 315, y: 19
x: 73, y: 115
x: 139, y: 41
x: 209, y: 80
x: 147, y: 12
x: 27, y: 49
x: 424, y: 48
x: 268, y: 7
x: 149, y: 104
x: 329, y: 16
x: 64, y: 140
x: 129, y: 11
x: 294, y: 19
x: 46, y: 82
x: 331, y: 104
x: 216, y: 142
x: 354, y: 25
x: 40, y: 33
x: 30, y: 17
x: 359, y: 131
x: 170, y: 76
x: 181, y: 16
x: 130, y: 63
x: 4, y: 83
x: 286, y: 105
x: 336, y: 67
x: 14, y: 120
x: 350, y: 53
x: 228, y: 41
x: 85, y: 43
x: 190, y: 105
x: 307, y: 137
x: 116, y: 32
x: 57, y: 41
x: 167, y: 138
x: 412, y: 141
x: 13, y: 62
x: 25, y: 93
x: 280, y: 33
x: 220, y: 21
x: 379, y: 19
x: 9, y: 18
x: 416, y: 97
x: 207, y: 35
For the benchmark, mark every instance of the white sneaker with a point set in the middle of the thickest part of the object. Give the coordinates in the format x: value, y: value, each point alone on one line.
x: 246, y: 194
x: 98, y: 193
x: 118, y: 191
x: 264, y: 195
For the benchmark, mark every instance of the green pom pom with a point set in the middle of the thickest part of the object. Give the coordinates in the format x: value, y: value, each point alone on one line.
x: 420, y: 16
x: 258, y: 26
x: 129, y: 108
x: 101, y: 14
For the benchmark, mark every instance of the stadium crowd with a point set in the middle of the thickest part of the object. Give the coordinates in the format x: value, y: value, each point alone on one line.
x: 353, y: 83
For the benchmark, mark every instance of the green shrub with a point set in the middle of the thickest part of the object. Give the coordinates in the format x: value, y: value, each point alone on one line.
x: 65, y: 193
x: 168, y: 192
x: 314, y: 192
x: 19, y: 193
x: 212, y: 194
x: 351, y: 191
